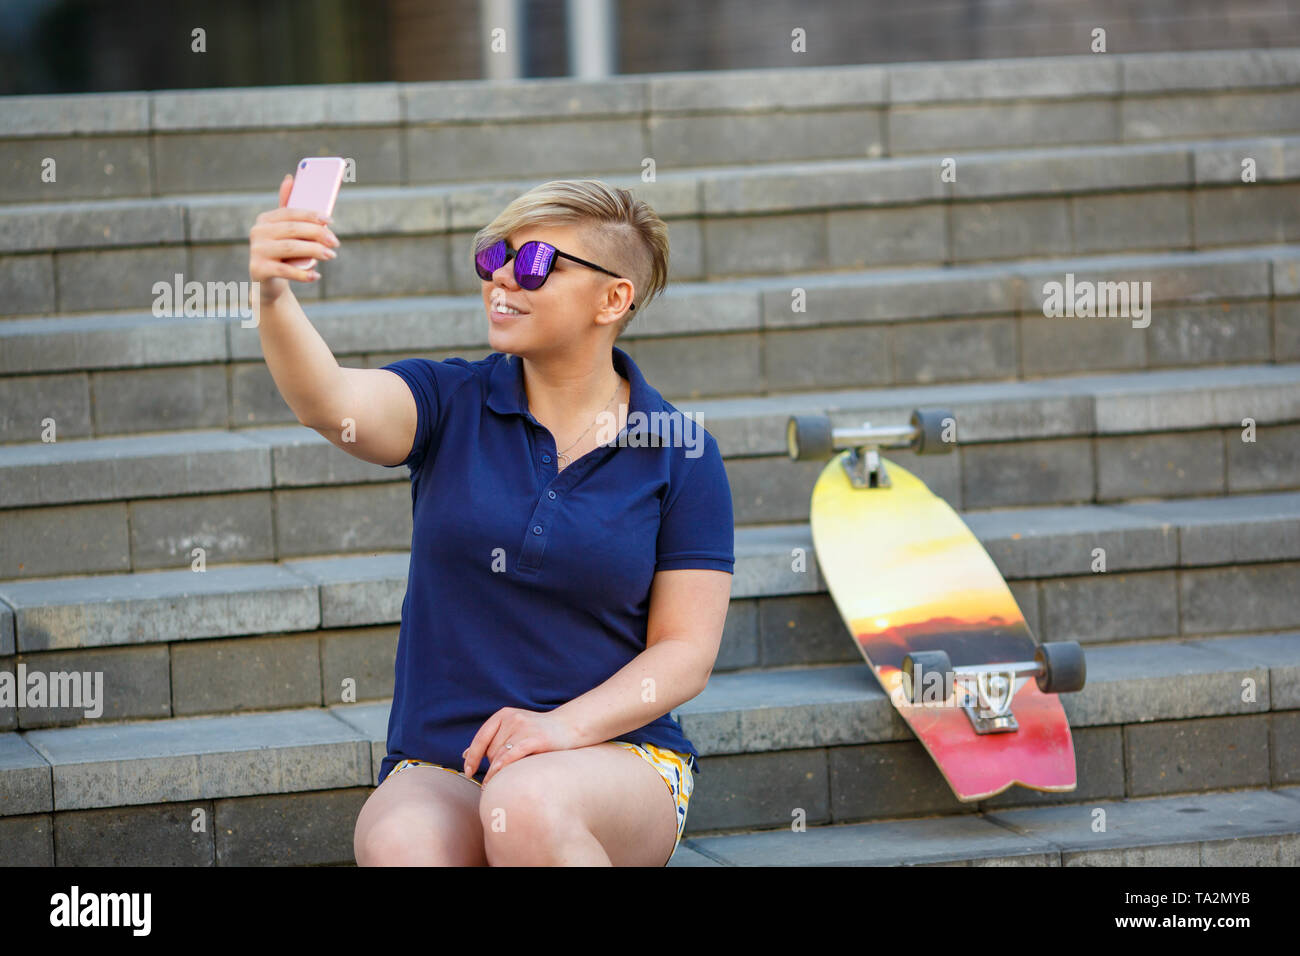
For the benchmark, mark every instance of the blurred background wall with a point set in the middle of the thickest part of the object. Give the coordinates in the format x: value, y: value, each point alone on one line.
x: 52, y: 46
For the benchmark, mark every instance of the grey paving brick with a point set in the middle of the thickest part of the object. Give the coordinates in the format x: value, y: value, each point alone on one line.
x: 376, y: 266
x: 145, y: 466
x: 1185, y: 463
x: 164, y: 835
x: 982, y: 230
x: 1170, y: 823
x: 1257, y: 212
x: 371, y: 721
x: 803, y: 629
x: 1052, y: 346
x: 77, y: 114
x: 760, y: 790
x: 222, y: 161
x: 1069, y: 170
x: 201, y: 758
x: 777, y: 709
x: 1230, y: 529
x: 27, y: 841
x: 1150, y: 220
x: 6, y: 630
x: 8, y: 715
x: 777, y: 560
x: 1223, y: 163
x: 765, y: 244
x: 27, y: 785
x: 116, y: 278
x: 86, y: 167
x: 1010, y: 79
x: 106, y: 341
x: 254, y: 398
x: 350, y: 518
x: 1284, y: 747
x: 926, y: 352
x: 116, y: 683
x: 443, y: 100
x: 160, y: 399
x: 766, y: 89
x: 869, y: 238
x: 909, y: 842
x: 1187, y: 755
x: 29, y: 284
x: 357, y: 591
x: 1250, y: 598
x: 736, y: 138
x: 1286, y: 335
x: 365, y: 658
x: 1286, y: 273
x: 301, y: 457
x: 1279, y: 652
x: 228, y: 528
x: 145, y: 608
x: 700, y: 364
x: 363, y: 104
x: 1257, y: 851
x: 1109, y: 607
x: 44, y: 226
x: 856, y: 356
x: 77, y: 539
x: 290, y: 829
x: 1163, y: 681
x: 1201, y: 335
x: 463, y: 151
x: 228, y: 676
x: 1209, y: 70
x: 888, y: 780
x: 928, y: 129
x: 1099, y: 768
x: 686, y: 856
x: 771, y: 489
x: 27, y: 401
x: 1187, y: 116
x: 1026, y: 473
x: 1272, y: 460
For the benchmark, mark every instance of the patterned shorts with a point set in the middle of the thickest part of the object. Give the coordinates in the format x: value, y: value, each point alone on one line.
x: 672, y: 765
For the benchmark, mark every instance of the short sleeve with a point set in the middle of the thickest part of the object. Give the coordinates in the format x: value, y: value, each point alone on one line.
x: 421, y: 375
x: 697, y: 528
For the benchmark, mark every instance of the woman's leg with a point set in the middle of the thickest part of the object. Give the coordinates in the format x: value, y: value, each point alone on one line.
x: 601, y: 805
x: 422, y: 816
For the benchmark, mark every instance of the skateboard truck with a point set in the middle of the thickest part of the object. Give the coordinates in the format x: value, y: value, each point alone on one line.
x: 812, y: 438
x: 1058, y: 667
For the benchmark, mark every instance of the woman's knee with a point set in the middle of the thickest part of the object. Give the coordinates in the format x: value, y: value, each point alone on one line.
x: 417, y: 833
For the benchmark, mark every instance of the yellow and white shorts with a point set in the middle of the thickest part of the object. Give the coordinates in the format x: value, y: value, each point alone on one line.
x: 674, y: 766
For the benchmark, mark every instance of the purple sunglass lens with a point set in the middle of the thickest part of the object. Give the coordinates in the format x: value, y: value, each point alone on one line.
x: 532, y: 262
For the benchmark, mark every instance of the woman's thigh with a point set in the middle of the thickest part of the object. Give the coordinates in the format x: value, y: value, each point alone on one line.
x: 423, y: 816
x: 602, y: 790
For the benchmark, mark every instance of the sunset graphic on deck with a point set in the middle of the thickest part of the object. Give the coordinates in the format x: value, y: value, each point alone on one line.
x: 907, y: 575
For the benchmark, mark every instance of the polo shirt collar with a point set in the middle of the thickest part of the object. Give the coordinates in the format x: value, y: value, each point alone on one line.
x: 506, y: 391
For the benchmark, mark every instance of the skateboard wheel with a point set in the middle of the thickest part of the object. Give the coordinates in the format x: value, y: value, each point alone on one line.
x: 926, y: 662
x: 1064, y: 668
x: 929, y: 425
x: 808, y: 437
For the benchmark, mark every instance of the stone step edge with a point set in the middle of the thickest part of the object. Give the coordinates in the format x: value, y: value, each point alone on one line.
x: 1115, y: 76
x: 342, y: 745
x: 691, y: 192
x: 84, y: 611
x: 130, y: 339
x: 1220, y: 828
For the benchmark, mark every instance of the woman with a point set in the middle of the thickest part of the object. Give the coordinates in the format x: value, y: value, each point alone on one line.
x: 571, y: 551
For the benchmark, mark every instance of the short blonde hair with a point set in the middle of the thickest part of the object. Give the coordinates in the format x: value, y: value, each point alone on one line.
x: 622, y: 232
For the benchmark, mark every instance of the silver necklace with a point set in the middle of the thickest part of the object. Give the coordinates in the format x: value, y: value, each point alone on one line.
x: 561, y: 456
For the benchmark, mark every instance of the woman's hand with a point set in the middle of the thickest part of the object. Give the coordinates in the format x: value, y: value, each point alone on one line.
x: 527, y: 732
x: 281, y: 234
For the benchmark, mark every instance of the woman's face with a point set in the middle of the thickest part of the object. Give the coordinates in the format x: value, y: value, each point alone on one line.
x: 558, y: 313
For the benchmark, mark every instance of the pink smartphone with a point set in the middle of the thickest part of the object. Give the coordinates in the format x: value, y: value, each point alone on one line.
x: 315, y: 186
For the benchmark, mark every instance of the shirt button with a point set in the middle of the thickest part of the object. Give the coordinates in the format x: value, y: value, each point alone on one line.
x: 550, y: 494
x: 546, y: 458
x: 537, y: 529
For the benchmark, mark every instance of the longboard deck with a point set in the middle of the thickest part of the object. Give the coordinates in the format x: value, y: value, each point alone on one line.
x: 907, y: 575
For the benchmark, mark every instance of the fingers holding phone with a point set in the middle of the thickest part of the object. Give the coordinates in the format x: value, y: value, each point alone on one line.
x: 285, y: 243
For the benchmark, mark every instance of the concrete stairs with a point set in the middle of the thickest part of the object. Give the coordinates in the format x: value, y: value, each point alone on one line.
x: 225, y: 688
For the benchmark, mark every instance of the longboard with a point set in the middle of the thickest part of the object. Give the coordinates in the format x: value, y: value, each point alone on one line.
x: 917, y: 590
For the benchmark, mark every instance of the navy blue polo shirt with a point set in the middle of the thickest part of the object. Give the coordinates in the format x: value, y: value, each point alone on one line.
x: 529, y: 586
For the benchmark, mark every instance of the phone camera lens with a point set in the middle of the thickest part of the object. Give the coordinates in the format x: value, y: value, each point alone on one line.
x: 303, y: 164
